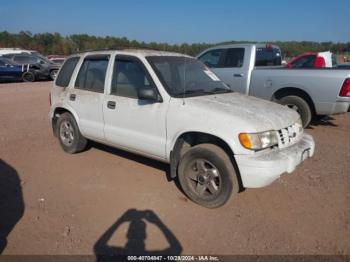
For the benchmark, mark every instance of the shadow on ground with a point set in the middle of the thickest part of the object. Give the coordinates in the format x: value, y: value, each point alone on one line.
x: 137, y: 158
x: 322, y: 121
x: 136, y: 236
x: 11, y: 201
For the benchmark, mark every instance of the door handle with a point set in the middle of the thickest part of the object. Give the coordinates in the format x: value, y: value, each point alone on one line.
x: 72, y: 97
x: 111, y: 104
x: 238, y: 75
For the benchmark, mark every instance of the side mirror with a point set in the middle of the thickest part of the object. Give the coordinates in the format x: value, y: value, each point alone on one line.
x: 149, y: 94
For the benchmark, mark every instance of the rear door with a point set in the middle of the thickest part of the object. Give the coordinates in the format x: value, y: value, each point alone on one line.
x: 230, y: 66
x: 9, y: 72
x: 132, y: 123
x: 86, y: 98
x: 5, y: 73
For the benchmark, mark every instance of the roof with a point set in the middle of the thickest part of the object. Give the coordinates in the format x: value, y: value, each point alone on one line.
x: 141, y: 52
x: 258, y: 45
x: 4, y: 51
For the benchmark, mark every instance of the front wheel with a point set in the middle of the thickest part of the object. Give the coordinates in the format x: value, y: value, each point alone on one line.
x: 207, y: 176
x: 28, y: 77
x: 300, y: 105
x: 71, y: 140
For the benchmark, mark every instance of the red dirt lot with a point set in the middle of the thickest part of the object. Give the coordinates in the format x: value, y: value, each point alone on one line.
x: 55, y: 203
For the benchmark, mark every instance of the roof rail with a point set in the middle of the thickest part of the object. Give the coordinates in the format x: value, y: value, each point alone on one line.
x: 100, y: 49
x: 119, y: 48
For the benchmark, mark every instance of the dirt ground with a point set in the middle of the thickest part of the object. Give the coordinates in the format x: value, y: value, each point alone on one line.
x: 55, y: 203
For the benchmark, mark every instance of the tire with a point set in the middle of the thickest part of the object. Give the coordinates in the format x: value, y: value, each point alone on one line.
x: 67, y: 130
x: 300, y: 105
x: 28, y: 77
x: 207, y: 176
x: 53, y: 74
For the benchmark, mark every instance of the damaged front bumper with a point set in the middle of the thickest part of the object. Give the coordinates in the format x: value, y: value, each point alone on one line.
x: 262, y: 168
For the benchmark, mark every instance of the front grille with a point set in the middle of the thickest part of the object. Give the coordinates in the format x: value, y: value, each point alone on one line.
x: 289, y: 135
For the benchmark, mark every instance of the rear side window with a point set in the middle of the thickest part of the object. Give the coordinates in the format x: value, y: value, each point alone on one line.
x: 212, y: 58
x: 304, y: 62
x: 66, y: 72
x: 234, y: 57
x: 92, y: 73
x: 25, y: 59
x: 268, y: 57
x: 129, y: 77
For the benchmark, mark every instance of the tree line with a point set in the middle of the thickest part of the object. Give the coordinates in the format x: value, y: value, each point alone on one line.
x: 55, y: 43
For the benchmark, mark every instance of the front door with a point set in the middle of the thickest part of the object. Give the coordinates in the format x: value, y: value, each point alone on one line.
x: 131, y: 123
x: 233, y: 70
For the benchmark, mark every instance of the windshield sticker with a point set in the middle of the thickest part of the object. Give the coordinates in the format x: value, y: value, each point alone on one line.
x: 211, y: 75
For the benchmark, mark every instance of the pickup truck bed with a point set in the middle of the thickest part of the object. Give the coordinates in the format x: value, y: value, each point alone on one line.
x: 321, y: 86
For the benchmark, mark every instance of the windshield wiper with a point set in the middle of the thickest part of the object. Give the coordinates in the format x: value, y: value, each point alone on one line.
x: 204, y: 92
x: 219, y: 90
x: 191, y: 92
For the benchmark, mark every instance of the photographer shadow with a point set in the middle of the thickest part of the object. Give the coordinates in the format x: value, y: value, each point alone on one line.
x: 136, y: 236
x: 11, y: 202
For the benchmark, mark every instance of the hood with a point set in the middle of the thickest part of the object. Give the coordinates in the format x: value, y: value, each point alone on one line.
x: 262, y: 114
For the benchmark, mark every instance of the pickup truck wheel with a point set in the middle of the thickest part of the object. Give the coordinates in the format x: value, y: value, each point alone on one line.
x: 71, y: 140
x: 300, y: 105
x: 28, y: 77
x: 207, y: 176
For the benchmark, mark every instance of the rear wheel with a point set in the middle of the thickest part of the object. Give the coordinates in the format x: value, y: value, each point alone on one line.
x: 71, y: 140
x: 28, y: 77
x: 207, y: 176
x: 300, y: 105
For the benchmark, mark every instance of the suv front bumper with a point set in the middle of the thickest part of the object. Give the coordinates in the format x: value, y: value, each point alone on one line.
x: 262, y: 168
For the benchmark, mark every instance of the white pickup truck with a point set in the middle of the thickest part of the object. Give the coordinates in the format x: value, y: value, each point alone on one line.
x: 254, y: 69
x: 172, y: 108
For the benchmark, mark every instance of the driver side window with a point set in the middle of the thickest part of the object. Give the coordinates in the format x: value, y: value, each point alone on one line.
x: 212, y: 58
x: 128, y: 78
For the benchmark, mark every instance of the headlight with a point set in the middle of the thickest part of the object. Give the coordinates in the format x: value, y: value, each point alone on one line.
x: 258, y: 141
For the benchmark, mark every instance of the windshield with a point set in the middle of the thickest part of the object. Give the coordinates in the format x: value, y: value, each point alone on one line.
x: 43, y: 58
x: 184, y: 76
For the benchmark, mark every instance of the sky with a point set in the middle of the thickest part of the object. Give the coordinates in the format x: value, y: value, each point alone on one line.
x: 180, y: 21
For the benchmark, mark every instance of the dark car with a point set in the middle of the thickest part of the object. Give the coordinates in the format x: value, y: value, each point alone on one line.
x: 45, y: 69
x: 10, y: 71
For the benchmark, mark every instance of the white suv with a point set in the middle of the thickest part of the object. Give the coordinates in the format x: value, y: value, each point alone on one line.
x: 172, y: 108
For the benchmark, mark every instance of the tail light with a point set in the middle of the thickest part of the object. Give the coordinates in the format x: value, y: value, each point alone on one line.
x: 345, y: 90
x: 319, y: 62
